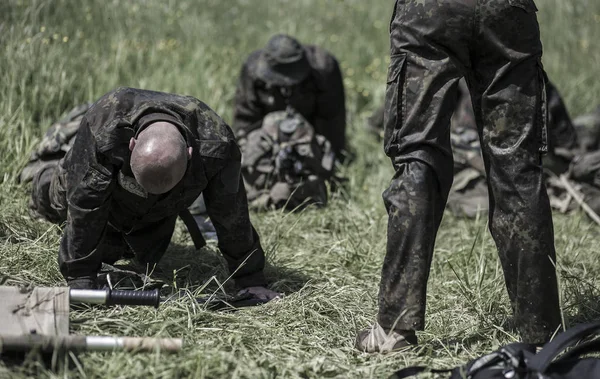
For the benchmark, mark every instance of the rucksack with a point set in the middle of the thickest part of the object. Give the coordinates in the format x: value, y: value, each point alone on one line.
x: 560, y: 358
x: 285, y: 164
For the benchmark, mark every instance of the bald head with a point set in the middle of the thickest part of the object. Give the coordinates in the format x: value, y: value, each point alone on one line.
x: 159, y: 157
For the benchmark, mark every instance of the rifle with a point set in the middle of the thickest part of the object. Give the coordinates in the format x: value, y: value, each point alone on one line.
x: 50, y: 344
x: 212, y: 302
x: 38, y: 319
x: 115, y: 297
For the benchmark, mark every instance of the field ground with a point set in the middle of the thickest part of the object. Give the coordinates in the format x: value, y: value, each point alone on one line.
x: 59, y: 53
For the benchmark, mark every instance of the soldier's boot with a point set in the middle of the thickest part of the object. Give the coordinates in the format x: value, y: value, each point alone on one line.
x: 376, y: 340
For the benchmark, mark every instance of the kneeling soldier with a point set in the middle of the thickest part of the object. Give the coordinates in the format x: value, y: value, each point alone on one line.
x: 139, y: 159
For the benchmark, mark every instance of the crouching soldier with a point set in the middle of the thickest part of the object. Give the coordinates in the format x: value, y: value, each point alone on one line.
x: 286, y: 164
x: 287, y: 73
x: 139, y: 159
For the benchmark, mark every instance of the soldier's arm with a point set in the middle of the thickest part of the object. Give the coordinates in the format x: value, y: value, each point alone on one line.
x: 89, y: 185
x: 227, y: 207
x: 331, y: 105
x: 247, y: 111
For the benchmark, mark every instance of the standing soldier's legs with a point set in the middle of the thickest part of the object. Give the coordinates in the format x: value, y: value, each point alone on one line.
x: 509, y: 101
x: 426, y: 51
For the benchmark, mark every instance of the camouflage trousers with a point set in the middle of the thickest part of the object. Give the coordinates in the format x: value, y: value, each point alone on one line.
x: 495, y: 45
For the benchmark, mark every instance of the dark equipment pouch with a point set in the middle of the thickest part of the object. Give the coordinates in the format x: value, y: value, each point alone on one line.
x: 560, y: 358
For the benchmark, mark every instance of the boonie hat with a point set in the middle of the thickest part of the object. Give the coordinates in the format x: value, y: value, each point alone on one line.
x: 283, y: 62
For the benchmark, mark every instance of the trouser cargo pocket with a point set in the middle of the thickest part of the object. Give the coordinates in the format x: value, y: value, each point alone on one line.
x: 394, y: 101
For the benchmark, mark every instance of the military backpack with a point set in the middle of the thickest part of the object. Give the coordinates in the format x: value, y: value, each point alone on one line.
x: 285, y: 164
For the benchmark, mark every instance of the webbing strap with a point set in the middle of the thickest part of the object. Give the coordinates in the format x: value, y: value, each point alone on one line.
x: 193, y: 229
x: 542, y: 360
x: 510, y: 355
x: 578, y: 351
x: 415, y: 370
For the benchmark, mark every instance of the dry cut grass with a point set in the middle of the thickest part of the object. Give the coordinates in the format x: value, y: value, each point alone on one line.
x: 59, y: 53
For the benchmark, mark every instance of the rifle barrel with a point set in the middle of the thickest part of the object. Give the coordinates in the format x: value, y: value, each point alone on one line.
x: 48, y: 344
x: 171, y: 345
x: 88, y: 296
x: 115, y: 297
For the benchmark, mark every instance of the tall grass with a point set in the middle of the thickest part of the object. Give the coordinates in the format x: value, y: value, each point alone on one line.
x: 59, y: 53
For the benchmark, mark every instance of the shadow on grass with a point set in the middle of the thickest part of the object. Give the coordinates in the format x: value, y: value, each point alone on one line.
x: 581, y: 301
x: 442, y: 346
x: 185, y: 267
x: 285, y: 279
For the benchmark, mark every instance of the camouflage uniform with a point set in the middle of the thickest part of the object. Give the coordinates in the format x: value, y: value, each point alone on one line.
x: 285, y: 164
x: 43, y: 161
x: 563, y: 133
x: 469, y: 192
x: 55, y: 144
x: 495, y: 45
x: 317, y: 94
x: 584, y: 169
x: 588, y: 131
x: 108, y: 213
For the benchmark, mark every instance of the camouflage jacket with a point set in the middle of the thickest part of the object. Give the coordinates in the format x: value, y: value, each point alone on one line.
x: 100, y: 188
x: 320, y: 99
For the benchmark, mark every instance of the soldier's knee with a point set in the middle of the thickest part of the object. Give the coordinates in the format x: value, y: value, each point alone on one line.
x: 41, y: 200
x: 418, y: 180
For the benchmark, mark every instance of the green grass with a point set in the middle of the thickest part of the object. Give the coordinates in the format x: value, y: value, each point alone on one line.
x: 59, y: 53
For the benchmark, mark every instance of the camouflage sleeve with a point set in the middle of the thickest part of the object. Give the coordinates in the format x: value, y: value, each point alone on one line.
x: 331, y: 104
x: 89, y: 186
x: 227, y: 208
x: 247, y: 110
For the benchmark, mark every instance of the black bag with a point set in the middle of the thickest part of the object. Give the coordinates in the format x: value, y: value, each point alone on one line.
x: 519, y: 360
